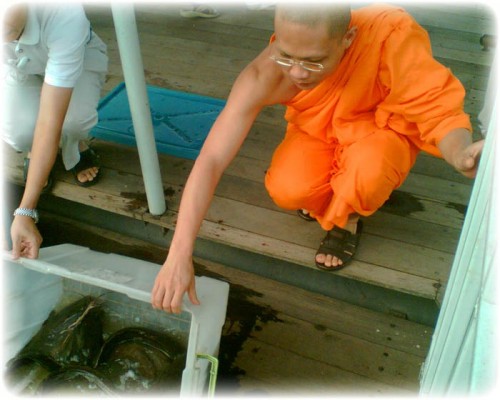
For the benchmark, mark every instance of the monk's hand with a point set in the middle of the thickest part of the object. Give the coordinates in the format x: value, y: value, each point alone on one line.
x: 175, y: 278
x: 26, y: 239
x: 467, y: 161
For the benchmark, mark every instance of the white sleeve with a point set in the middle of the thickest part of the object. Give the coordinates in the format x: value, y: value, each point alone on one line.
x: 66, y: 33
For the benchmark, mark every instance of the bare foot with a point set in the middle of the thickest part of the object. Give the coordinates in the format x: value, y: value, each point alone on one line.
x: 88, y: 174
x: 329, y: 260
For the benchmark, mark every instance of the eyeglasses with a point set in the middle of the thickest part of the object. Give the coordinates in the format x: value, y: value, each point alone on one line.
x: 288, y: 62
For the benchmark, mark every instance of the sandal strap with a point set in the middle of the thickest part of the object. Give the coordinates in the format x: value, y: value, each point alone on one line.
x: 88, y: 159
x: 305, y: 216
x: 341, y: 243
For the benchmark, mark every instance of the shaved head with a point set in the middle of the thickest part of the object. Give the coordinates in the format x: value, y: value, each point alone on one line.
x: 336, y: 16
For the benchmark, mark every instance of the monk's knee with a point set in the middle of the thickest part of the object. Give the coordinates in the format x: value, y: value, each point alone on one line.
x: 287, y: 191
x: 374, y: 169
x: 384, y: 157
x: 281, y: 188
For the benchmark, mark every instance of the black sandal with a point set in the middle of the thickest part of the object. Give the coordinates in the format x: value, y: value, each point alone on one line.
x: 340, y: 243
x: 88, y: 159
x: 305, y: 216
x: 50, y: 180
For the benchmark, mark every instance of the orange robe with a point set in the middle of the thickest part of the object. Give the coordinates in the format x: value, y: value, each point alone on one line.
x: 352, y: 140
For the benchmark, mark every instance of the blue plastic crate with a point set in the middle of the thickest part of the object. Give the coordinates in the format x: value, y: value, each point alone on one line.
x: 181, y: 121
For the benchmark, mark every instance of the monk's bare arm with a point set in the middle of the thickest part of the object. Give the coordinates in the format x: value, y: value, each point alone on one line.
x: 254, y: 88
x: 460, y: 152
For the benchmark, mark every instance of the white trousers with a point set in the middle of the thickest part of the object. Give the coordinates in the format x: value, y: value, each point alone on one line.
x: 21, y: 102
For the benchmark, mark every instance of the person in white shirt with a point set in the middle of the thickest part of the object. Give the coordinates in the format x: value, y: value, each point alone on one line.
x: 54, y: 68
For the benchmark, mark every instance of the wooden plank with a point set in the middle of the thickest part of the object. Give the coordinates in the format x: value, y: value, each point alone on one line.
x: 232, y: 14
x: 243, y: 181
x: 292, y: 230
x: 327, y: 313
x: 459, y: 67
x: 234, y: 19
x: 200, y: 30
x: 474, y: 101
x: 450, y: 38
x: 437, y: 188
x: 286, y: 372
x: 472, y: 80
x: 425, y: 209
x: 425, y: 234
x: 241, y: 15
x: 462, y: 17
x: 442, y: 49
x: 221, y: 58
x: 376, y: 362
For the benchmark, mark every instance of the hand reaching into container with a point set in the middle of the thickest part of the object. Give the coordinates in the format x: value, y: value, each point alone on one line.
x: 175, y: 278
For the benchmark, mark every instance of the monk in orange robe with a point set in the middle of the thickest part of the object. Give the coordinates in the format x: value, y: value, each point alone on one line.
x: 353, y: 138
x: 363, y: 94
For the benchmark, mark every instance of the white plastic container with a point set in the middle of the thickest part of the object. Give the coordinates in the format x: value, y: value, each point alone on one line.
x: 32, y: 288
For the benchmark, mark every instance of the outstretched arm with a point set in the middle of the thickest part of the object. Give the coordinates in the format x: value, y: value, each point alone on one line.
x: 54, y: 101
x: 176, y: 276
x: 177, y: 273
x: 460, y: 152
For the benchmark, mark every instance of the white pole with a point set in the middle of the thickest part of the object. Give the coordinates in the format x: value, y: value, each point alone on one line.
x: 133, y: 71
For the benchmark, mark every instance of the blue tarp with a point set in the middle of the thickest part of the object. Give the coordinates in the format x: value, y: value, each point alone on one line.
x: 181, y: 121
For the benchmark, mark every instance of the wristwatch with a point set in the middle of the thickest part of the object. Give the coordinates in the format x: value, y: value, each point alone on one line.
x: 27, y: 212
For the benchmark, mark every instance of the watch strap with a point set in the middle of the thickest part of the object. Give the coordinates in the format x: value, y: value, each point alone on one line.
x: 27, y: 212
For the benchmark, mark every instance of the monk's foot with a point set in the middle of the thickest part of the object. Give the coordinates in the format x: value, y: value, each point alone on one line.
x: 339, y: 246
x: 304, y: 214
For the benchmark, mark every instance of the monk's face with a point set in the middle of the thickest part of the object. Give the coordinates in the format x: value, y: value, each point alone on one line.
x: 300, y: 42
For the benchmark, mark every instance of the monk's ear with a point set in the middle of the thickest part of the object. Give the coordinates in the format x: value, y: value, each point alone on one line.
x: 349, y: 37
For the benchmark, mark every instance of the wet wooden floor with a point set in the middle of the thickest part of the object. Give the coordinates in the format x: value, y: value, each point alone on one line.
x: 407, y: 246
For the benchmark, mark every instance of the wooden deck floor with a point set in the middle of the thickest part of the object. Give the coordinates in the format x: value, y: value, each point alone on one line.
x: 407, y: 246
